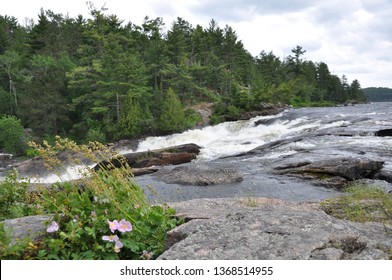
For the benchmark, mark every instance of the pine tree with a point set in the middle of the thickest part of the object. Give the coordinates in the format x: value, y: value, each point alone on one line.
x: 135, y: 120
x: 172, y: 118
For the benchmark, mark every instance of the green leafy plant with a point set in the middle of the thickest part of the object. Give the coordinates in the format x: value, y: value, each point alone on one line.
x: 29, y: 152
x: 15, y: 200
x: 104, y: 215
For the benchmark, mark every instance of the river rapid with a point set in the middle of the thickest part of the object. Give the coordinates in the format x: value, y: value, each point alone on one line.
x: 291, y: 136
x: 306, y: 133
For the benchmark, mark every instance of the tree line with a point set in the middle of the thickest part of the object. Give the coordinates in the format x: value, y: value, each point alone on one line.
x: 378, y: 94
x: 99, y: 78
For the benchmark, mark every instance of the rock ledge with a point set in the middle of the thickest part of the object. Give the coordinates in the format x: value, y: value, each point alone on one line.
x: 273, y: 229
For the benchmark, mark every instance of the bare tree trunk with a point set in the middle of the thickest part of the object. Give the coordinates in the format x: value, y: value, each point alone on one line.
x: 13, y: 92
x: 118, y: 107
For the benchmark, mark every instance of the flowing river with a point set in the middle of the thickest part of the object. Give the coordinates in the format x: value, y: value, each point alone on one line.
x: 314, y: 133
x: 318, y: 133
x: 231, y: 138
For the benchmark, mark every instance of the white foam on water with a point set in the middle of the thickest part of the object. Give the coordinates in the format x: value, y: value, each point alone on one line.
x: 232, y: 138
x: 73, y: 172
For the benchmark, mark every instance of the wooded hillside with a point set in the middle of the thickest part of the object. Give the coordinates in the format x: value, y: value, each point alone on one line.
x: 99, y: 78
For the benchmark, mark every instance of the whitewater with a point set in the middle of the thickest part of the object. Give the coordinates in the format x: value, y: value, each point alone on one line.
x: 233, y: 138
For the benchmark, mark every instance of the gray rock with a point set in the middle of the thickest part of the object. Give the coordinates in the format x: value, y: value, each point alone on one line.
x: 327, y: 254
x: 200, y: 175
x: 30, y: 226
x: 168, y: 156
x: 5, y: 160
x: 385, y: 175
x: 272, y: 230
x: 334, y: 172
x: 205, y: 111
x: 380, y: 184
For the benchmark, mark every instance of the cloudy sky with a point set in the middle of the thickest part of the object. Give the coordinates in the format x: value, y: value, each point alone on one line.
x: 354, y: 37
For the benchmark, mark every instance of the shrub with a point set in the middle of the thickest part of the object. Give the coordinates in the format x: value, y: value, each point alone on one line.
x: 15, y: 201
x: 12, y: 136
x: 192, y: 118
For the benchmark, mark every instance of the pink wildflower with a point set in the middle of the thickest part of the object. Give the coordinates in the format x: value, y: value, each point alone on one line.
x: 113, y: 225
x: 117, y: 243
x: 124, y: 226
x: 118, y: 246
x: 110, y: 238
x: 53, y: 227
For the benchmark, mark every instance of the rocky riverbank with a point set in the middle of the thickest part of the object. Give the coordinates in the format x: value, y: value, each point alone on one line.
x: 256, y: 228
x: 261, y: 228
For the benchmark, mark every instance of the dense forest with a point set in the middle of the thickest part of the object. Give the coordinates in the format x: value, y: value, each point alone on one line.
x: 378, y: 94
x: 99, y: 78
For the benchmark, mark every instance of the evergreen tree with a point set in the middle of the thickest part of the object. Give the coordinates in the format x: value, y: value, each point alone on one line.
x: 356, y: 92
x: 101, y: 78
x: 135, y: 121
x: 172, y: 118
x: 44, y: 101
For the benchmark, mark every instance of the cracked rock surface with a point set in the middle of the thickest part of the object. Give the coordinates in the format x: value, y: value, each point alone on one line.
x: 271, y: 229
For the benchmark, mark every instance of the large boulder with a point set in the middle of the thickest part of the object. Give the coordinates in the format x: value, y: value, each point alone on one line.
x: 200, y: 175
x: 30, y: 226
x: 205, y: 111
x: 230, y: 229
x: 335, y: 172
x: 168, y: 156
x: 34, y: 167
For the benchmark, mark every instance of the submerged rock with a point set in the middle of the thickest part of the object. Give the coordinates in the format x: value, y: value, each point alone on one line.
x: 200, y: 175
x: 272, y: 229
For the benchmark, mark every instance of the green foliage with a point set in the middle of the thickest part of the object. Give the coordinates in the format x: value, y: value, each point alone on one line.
x: 29, y: 152
x: 12, y: 136
x: 361, y: 204
x: 15, y: 201
x: 134, y: 121
x: 95, y: 135
x: 379, y: 94
x: 172, y: 118
x: 83, y: 213
x: 191, y: 118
